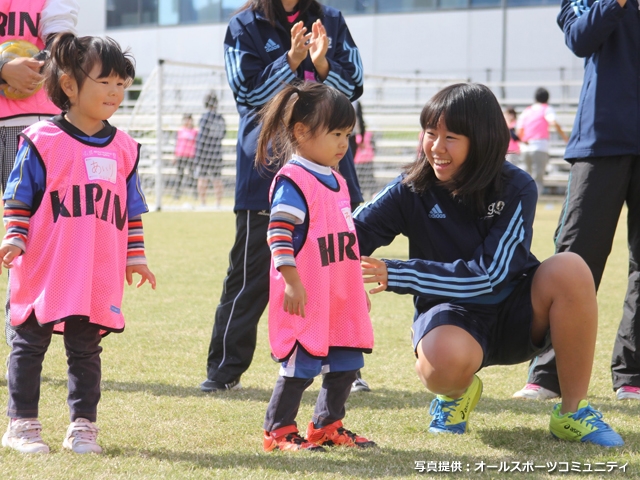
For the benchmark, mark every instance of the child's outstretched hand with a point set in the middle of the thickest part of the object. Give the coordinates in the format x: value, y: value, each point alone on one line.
x: 7, y: 254
x: 145, y: 275
x: 374, y: 271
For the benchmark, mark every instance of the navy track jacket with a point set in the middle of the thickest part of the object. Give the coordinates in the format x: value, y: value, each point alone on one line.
x: 257, y: 69
x: 608, y: 37
x: 455, y: 255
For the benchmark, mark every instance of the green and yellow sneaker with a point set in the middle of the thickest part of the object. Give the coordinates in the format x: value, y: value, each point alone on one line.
x: 585, y: 425
x: 452, y: 415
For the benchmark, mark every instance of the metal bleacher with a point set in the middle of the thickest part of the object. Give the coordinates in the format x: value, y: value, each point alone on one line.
x: 391, y: 108
x: 396, y: 136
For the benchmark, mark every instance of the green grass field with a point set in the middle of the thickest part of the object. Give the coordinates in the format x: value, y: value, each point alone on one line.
x: 155, y: 422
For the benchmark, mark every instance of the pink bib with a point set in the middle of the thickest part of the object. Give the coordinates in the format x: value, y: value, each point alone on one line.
x: 76, y: 250
x: 186, y: 142
x: 329, y: 267
x: 534, y: 123
x: 365, y: 152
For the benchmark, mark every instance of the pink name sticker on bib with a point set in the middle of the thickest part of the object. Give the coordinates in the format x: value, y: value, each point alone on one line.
x: 101, y: 165
x: 309, y: 76
x: 345, y: 208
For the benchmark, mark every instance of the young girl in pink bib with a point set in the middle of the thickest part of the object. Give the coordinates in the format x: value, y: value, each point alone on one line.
x: 318, y: 314
x: 73, y: 235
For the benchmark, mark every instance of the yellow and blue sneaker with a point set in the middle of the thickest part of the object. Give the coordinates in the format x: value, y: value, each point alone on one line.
x: 584, y: 425
x: 452, y: 415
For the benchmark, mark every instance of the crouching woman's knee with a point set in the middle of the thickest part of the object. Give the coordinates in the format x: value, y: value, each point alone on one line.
x: 564, y: 273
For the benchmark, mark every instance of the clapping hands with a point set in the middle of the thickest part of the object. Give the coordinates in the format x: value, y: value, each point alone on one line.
x: 314, y: 43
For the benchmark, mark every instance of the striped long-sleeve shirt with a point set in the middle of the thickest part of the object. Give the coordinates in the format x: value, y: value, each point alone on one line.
x: 454, y: 254
x: 27, y: 182
x: 280, y: 239
x: 16, y: 223
x: 289, y: 221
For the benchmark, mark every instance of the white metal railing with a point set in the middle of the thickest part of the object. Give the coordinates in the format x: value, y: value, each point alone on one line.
x: 391, y: 105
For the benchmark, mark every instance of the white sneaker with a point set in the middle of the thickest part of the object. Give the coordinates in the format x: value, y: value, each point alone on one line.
x: 81, y: 437
x: 531, y: 391
x: 359, y: 385
x: 628, y: 392
x: 23, y: 435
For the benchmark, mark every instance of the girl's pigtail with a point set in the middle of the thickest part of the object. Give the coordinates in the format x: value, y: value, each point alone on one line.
x: 275, y: 140
x: 64, y: 51
x: 63, y: 58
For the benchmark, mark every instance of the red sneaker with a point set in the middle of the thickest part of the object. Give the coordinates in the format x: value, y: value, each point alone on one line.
x: 287, y: 439
x: 336, y: 434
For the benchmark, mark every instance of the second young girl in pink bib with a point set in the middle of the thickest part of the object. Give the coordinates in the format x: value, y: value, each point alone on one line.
x: 318, y: 316
x: 74, y: 233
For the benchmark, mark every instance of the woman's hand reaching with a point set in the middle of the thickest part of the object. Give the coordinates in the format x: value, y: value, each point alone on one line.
x: 374, y: 271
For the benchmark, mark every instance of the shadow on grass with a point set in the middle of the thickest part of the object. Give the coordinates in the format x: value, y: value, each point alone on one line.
x: 514, y: 405
x: 378, y: 399
x: 522, y: 441
x: 167, y: 390
x: 371, y: 463
x: 611, y: 404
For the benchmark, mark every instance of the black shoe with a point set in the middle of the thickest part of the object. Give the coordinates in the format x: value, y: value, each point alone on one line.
x: 213, y: 386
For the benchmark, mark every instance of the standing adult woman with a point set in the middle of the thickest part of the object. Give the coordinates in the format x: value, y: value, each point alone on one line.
x: 269, y: 43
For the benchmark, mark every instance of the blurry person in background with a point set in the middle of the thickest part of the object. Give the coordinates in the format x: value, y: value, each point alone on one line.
x: 513, y: 151
x: 208, y: 160
x: 185, y: 153
x: 363, y: 158
x: 533, y: 130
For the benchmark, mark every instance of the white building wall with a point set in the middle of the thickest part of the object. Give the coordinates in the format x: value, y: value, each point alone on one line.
x: 536, y: 42
x: 92, y: 18
x: 457, y: 43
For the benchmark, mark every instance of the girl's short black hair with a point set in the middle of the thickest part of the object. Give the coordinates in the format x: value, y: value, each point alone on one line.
x: 76, y: 57
x: 542, y: 95
x: 472, y: 110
